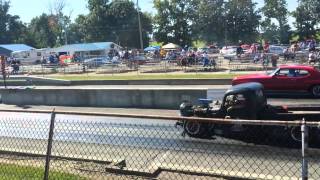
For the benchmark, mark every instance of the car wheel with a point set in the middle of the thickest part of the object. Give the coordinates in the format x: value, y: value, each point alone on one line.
x: 194, y: 129
x: 315, y: 91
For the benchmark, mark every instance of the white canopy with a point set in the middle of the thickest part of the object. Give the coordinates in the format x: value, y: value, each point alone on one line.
x: 170, y: 46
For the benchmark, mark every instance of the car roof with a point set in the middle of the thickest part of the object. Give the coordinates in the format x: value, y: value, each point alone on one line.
x: 297, y: 67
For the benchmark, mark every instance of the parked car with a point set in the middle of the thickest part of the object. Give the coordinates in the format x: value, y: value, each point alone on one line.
x: 213, y: 49
x: 96, y: 62
x: 227, y: 50
x: 287, y: 78
x: 279, y: 50
x: 138, y: 59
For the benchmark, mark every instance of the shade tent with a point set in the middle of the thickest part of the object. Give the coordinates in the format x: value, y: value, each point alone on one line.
x: 8, y: 49
x: 152, y: 48
x: 171, y: 46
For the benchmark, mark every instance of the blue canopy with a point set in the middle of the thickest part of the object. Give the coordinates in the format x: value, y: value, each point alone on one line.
x: 152, y: 48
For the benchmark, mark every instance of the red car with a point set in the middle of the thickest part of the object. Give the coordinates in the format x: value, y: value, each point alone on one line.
x: 287, y: 78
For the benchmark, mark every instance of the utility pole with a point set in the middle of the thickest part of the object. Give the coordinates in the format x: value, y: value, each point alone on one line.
x: 140, y: 26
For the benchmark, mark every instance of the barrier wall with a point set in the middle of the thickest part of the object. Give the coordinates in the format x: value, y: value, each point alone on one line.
x: 117, y: 98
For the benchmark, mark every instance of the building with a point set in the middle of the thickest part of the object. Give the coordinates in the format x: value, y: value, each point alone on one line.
x: 87, y: 50
x: 7, y: 49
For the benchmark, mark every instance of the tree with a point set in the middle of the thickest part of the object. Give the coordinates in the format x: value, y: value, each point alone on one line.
x: 42, y: 30
x: 277, y: 9
x: 12, y: 30
x: 62, y: 22
x: 115, y: 21
x: 124, y: 23
x: 173, y: 21
x: 307, y: 17
x: 270, y: 31
x: 208, y: 23
x: 241, y: 21
x: 77, y: 30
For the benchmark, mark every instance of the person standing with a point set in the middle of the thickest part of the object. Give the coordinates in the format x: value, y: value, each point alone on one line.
x: 266, y: 47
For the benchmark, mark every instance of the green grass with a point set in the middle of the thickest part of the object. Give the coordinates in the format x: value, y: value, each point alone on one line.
x: 15, y: 172
x: 146, y: 77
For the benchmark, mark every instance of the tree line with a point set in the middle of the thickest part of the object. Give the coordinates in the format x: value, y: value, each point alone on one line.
x: 178, y: 21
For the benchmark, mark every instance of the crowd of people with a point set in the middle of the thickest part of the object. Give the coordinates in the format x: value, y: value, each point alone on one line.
x: 255, y: 52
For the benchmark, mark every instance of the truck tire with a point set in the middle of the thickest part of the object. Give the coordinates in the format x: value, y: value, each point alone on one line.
x: 197, y: 129
x: 315, y: 91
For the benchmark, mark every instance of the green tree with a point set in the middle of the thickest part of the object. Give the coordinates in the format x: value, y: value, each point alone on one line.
x: 12, y: 30
x: 241, y: 21
x: 173, y: 21
x: 61, y: 21
x: 209, y: 21
x: 277, y: 9
x: 307, y: 17
x: 42, y: 30
x: 77, y: 30
x: 270, y: 31
x: 115, y: 21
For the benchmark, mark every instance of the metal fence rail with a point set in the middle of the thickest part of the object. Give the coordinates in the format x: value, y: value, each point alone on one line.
x: 157, y: 66
x: 133, y: 147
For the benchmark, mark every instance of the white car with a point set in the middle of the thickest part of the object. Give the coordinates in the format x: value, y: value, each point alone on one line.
x: 227, y: 50
x: 96, y: 62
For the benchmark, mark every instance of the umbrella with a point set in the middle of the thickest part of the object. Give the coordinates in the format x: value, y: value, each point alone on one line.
x: 171, y: 46
x: 150, y: 49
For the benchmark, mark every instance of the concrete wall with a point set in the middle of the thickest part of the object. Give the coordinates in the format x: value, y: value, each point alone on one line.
x: 39, y: 81
x: 122, y: 98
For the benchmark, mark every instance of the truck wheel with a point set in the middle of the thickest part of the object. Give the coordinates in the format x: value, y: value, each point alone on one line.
x: 315, y: 91
x: 296, y: 133
x: 196, y: 129
x: 314, y: 137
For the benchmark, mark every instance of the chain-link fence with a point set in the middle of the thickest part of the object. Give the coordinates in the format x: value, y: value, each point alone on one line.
x: 85, y: 147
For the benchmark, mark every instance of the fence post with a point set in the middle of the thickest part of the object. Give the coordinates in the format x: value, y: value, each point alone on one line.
x: 49, y: 147
x: 3, y: 60
x: 304, y: 144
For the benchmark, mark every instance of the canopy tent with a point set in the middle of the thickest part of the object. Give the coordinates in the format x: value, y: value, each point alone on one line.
x: 171, y: 46
x: 152, y: 48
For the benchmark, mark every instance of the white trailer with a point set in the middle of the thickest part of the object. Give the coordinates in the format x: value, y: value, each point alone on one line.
x: 32, y: 56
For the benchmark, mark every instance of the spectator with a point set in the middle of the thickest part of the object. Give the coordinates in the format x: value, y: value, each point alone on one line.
x: 253, y: 48
x: 51, y: 59
x: 206, y: 61
x: 126, y: 55
x: 312, y: 45
x: 292, y: 73
x: 286, y: 54
x: 312, y: 57
x: 256, y: 58
x: 274, y: 60
x: 43, y: 60
x: 260, y: 48
x: 239, y: 51
x: 266, y: 47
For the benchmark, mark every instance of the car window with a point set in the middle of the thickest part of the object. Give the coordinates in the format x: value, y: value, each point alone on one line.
x: 283, y: 72
x: 302, y: 73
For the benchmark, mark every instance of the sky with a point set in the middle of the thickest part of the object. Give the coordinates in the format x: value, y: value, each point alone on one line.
x: 27, y: 9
